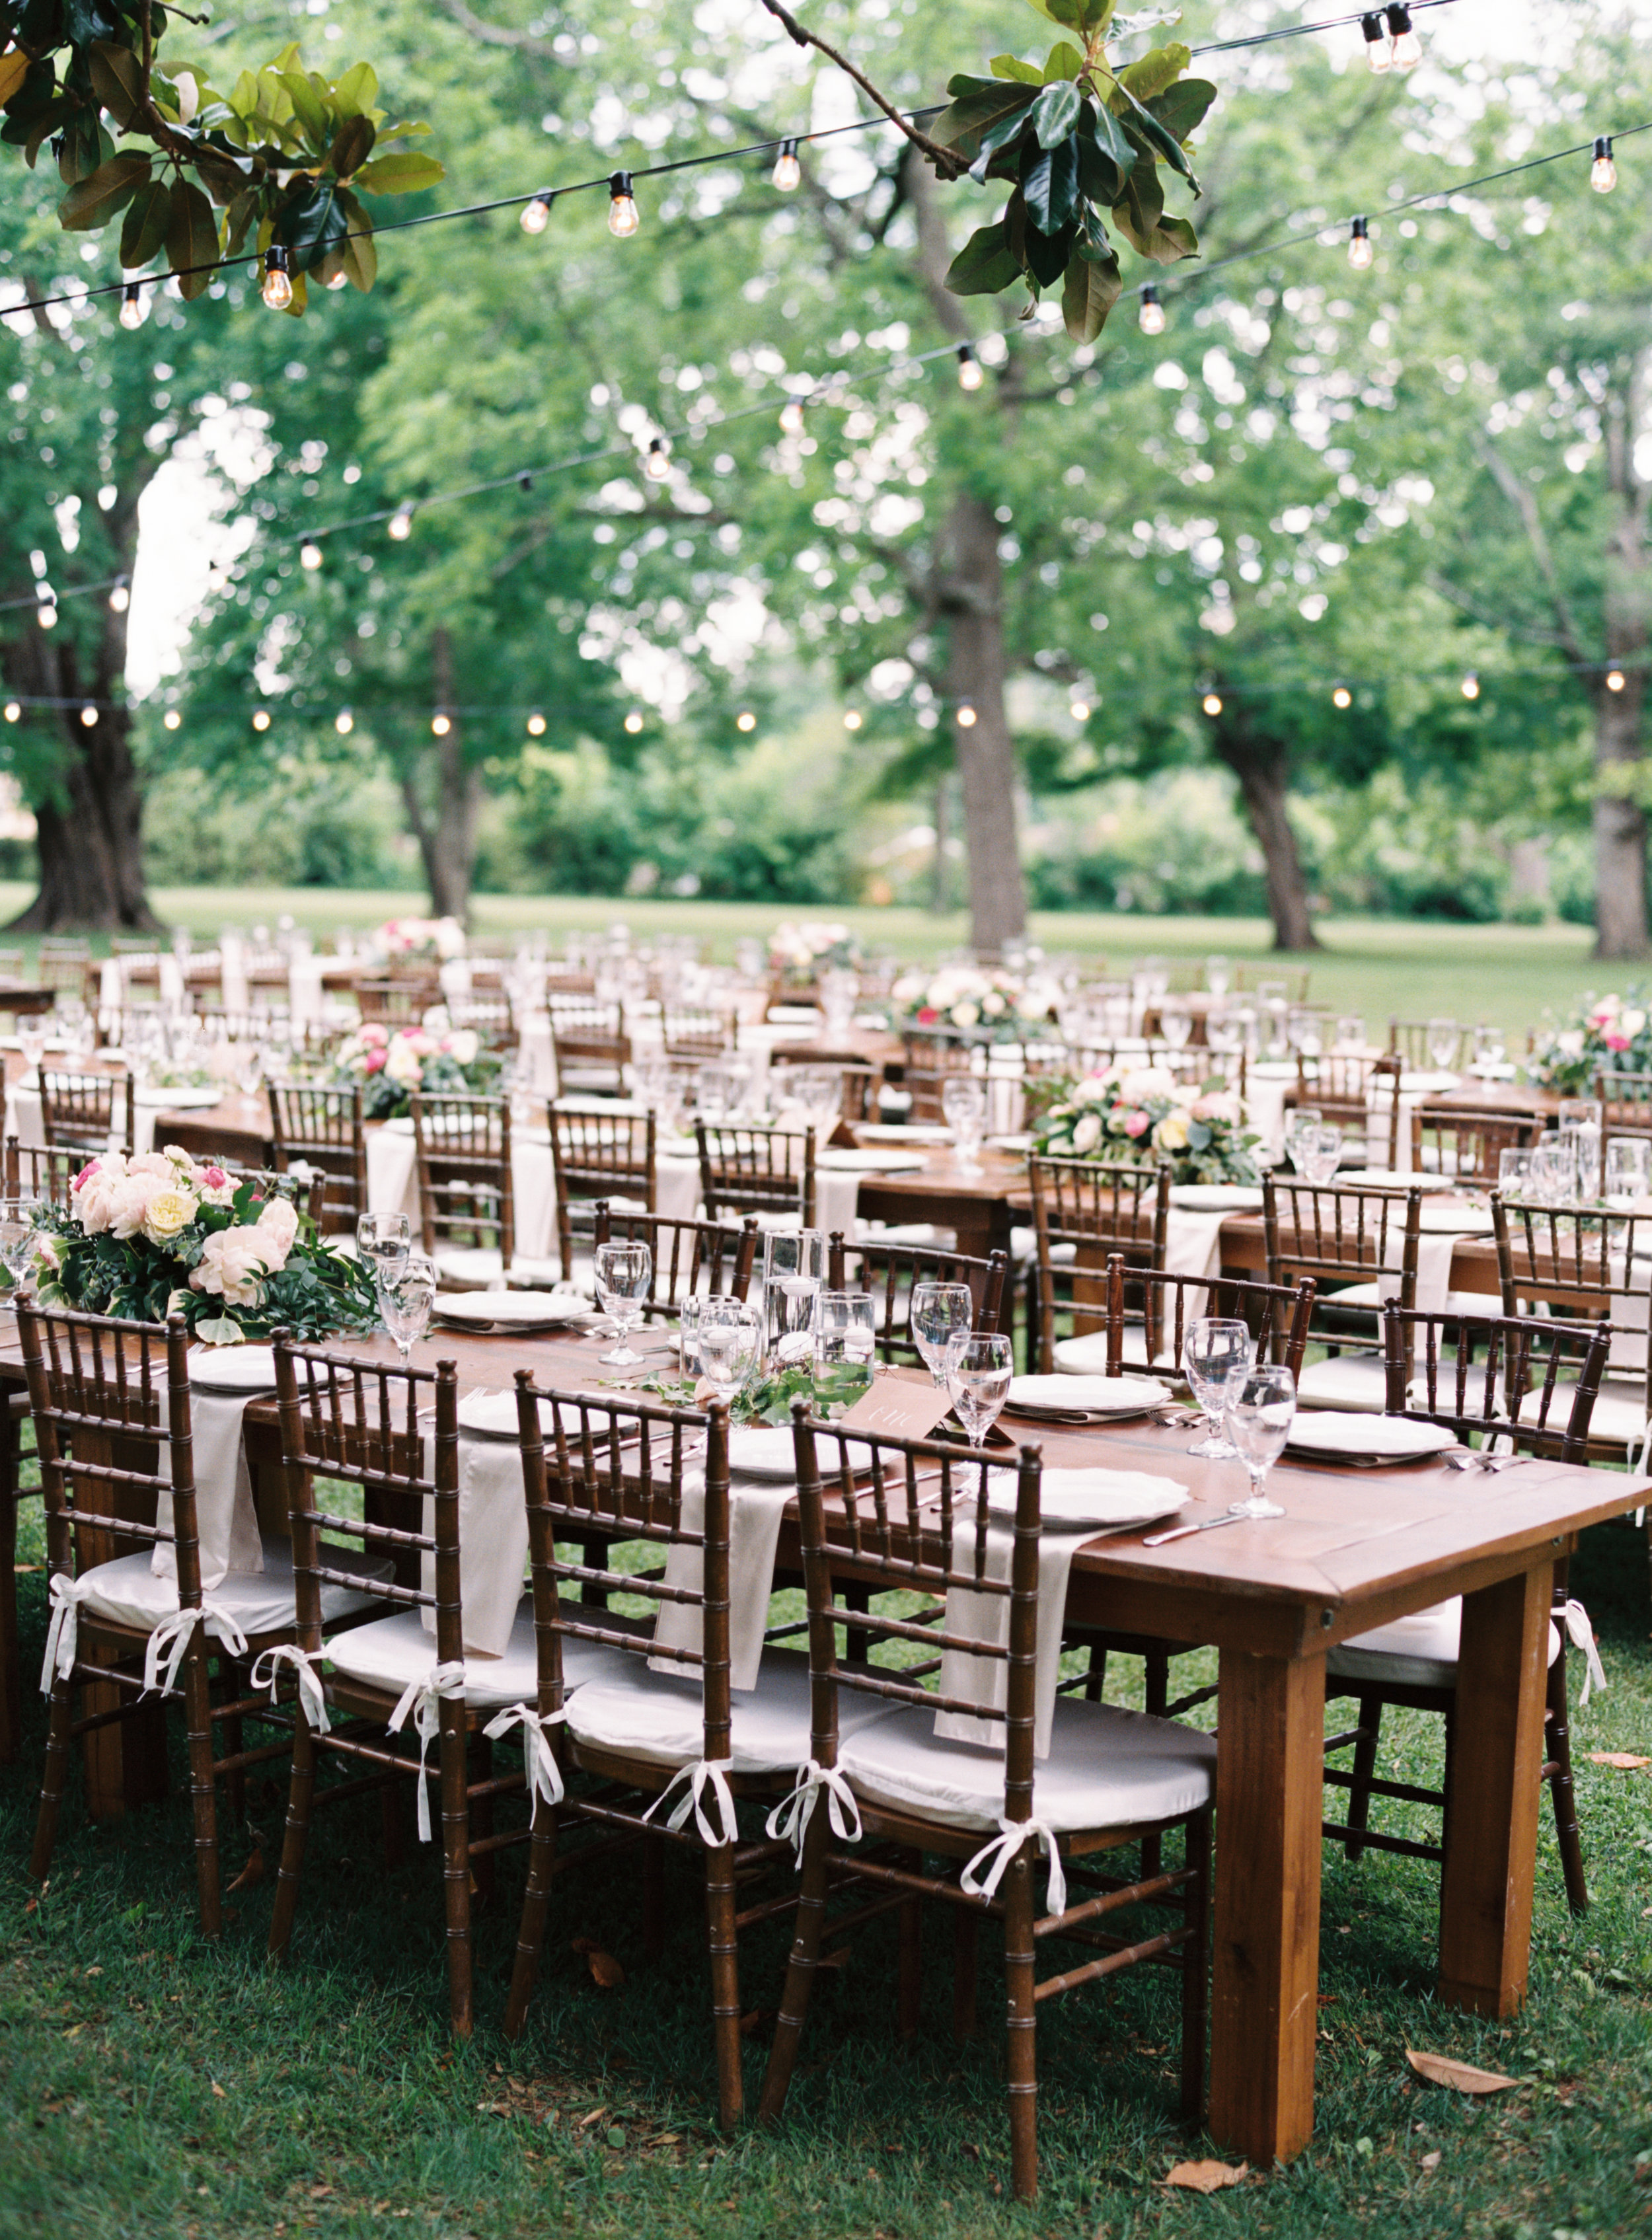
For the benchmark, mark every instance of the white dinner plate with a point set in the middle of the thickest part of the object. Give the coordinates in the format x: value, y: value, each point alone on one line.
x: 1458, y: 1220
x: 1390, y: 1178
x: 1097, y: 1396
x: 1217, y: 1198
x: 494, y: 1414
x: 232, y: 1368
x: 876, y: 1161
x: 179, y: 1100
x: 514, y: 1309
x: 1342, y: 1435
x: 877, y: 1132
x: 1022, y: 1143
x: 766, y: 1451
x: 1104, y: 1499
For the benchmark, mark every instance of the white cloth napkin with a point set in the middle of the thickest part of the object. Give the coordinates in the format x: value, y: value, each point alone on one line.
x: 986, y: 1617
x: 493, y: 1542
x: 1192, y: 1247
x: 756, y: 1508
x: 226, y: 1519
x: 393, y: 1184
x: 232, y: 963
x: 1433, y: 1274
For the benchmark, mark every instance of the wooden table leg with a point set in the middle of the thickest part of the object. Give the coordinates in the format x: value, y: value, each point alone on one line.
x: 1264, y: 2012
x: 1491, y: 1810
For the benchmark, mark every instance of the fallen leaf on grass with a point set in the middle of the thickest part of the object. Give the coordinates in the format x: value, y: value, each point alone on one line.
x: 753, y: 2022
x: 605, y: 1968
x: 319, y: 2192
x: 596, y: 2115
x: 1625, y: 1760
x: 1206, y: 2176
x: 252, y: 1872
x: 1431, y: 2162
x: 1461, y: 2076
x: 218, y: 2092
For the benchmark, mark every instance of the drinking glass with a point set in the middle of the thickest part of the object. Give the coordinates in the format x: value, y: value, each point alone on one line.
x: 1488, y: 1047
x: 1441, y: 1039
x: 1215, y: 1354
x: 18, y: 1239
x: 1514, y: 1173
x: 1628, y: 1171
x: 940, y: 1314
x: 839, y: 991
x: 385, y: 1240
x: 1579, y: 1118
x: 406, y: 1296
x: 624, y: 1273
x: 794, y: 1268
x: 1304, y: 1031
x: 730, y: 1340
x: 249, y: 1069
x: 1553, y: 1170
x: 1351, y: 1032
x: 845, y: 1341
x: 1224, y: 1030
x: 1260, y: 1415
x: 1298, y: 1120
x: 1218, y: 974
x: 32, y: 1041
x: 1175, y: 1024
x: 964, y: 1106
x: 1317, y: 1152
x: 978, y: 1377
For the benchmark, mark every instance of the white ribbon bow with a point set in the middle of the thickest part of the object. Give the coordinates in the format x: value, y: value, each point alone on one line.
x: 63, y: 1633
x: 173, y: 1633
x: 705, y: 1773
x: 303, y: 1662
x: 544, y: 1775
x: 1003, y: 1847
x: 788, y: 1822
x: 423, y: 1698
x: 1582, y: 1636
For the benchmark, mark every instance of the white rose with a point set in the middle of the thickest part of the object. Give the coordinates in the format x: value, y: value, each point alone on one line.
x: 1631, y: 1023
x: 1570, y: 1044
x: 403, y: 1063
x: 966, y: 1014
x: 1087, y: 1133
x: 233, y: 1264
x: 168, y: 1215
x: 278, y: 1225
x: 462, y: 1046
x: 449, y: 935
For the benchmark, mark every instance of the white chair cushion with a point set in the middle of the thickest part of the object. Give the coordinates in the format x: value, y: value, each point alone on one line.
x: 1350, y: 1380
x: 1107, y: 1768
x: 469, y: 1263
x: 1619, y: 1410
x: 1086, y: 1356
x: 1418, y: 1651
x: 259, y: 1602
x: 398, y: 1649
x: 660, y: 1718
x: 1354, y: 1294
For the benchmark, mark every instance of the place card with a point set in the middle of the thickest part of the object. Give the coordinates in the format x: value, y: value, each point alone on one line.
x: 899, y: 1407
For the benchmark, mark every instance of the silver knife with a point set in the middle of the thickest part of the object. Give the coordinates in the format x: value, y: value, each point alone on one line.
x: 1184, y: 1531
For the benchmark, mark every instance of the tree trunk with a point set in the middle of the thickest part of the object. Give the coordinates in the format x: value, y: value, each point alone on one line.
x: 1620, y: 823
x: 1262, y: 767
x: 939, y: 882
x: 447, y: 841
x: 971, y: 598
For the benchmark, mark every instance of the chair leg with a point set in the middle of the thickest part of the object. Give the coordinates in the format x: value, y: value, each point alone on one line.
x: 1155, y: 1695
x: 1562, y: 1792
x: 1021, y: 2018
x: 1359, y: 1794
x: 232, y: 1740
x: 10, y: 1658
x: 1096, y: 1678
x: 530, y: 1932
x: 1196, y: 1969
x: 479, y: 1767
x: 722, y: 1938
x: 965, y: 1946
x: 301, y: 1793
x: 54, y: 1774
x: 198, y: 1712
x: 456, y: 1868
x: 653, y: 1897
x: 910, y: 1997
x: 800, y: 1969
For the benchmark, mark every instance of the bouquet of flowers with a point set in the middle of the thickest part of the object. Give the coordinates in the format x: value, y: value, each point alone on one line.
x: 1144, y: 1116
x: 800, y: 953
x: 387, y: 1064
x: 158, y: 1234
x: 988, y: 1002
x: 1605, y: 1034
x: 402, y: 939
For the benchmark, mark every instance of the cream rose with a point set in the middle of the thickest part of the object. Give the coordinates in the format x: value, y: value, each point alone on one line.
x: 278, y: 1224
x: 1171, y: 1134
x: 233, y: 1265
x: 403, y: 1065
x: 168, y: 1215
x: 1087, y: 1133
x: 462, y: 1046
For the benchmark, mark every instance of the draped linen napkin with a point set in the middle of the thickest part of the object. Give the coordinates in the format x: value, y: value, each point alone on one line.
x: 226, y: 1519
x: 493, y: 1541
x: 986, y: 1617
x: 1192, y: 1247
x: 756, y: 1508
x: 1433, y: 1274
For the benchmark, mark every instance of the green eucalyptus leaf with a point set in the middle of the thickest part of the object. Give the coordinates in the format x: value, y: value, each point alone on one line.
x: 984, y: 264
x: 403, y: 172
x: 1181, y: 108
x: 1011, y: 66
x: 192, y: 240
x: 117, y: 80
x: 1091, y: 289
x: 1055, y: 113
x: 1050, y: 182
x: 1154, y: 70
x: 145, y: 228
x: 96, y: 200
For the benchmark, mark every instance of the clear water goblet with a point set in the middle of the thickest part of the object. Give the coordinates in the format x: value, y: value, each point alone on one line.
x: 1443, y: 1038
x: 1628, y: 1171
x: 1514, y: 1173
x: 1260, y: 1415
x: 729, y: 1340
x: 1216, y: 1353
x: 1218, y: 974
x: 385, y: 1240
x: 979, y: 1373
x: 406, y: 1296
x: 19, y: 1239
x: 1554, y: 1172
x: 963, y: 1107
x: 624, y: 1273
x: 939, y: 1314
x: 1318, y: 1152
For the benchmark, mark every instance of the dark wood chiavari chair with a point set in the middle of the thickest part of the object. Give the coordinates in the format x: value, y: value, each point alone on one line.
x: 87, y: 1112
x: 753, y: 1170
x: 889, y: 1271
x: 1293, y: 978
x: 1626, y: 1103
x: 600, y: 1154
x: 397, y: 1003
x: 922, y: 1527
x: 861, y: 1084
x: 39, y: 1171
x: 1358, y: 1097
x: 489, y: 1018
x: 1469, y: 1145
x: 698, y: 1031
x: 1554, y: 1260
x: 1527, y: 1385
x: 1408, y: 1041
x: 467, y: 1214
x: 591, y: 1047
x: 689, y: 1258
x: 1085, y: 1210
x: 1357, y: 1244
x: 64, y: 964
x: 321, y: 1129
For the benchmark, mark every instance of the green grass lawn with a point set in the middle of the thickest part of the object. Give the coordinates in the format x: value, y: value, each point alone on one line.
x: 1506, y: 974
x: 152, y: 2086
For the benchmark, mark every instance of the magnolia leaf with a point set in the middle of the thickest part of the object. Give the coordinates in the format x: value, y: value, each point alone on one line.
x: 1055, y: 113
x: 1155, y: 138
x: 14, y: 68
x: 111, y: 186
x: 398, y: 131
x: 353, y: 145
x: 1181, y: 108
x: 977, y: 105
x: 144, y: 228
x: 1092, y: 288
x: 1171, y: 240
x: 1111, y: 136
x: 1459, y: 2075
x: 244, y: 99
x: 1047, y: 254
x: 1050, y: 182
x: 220, y: 175
x: 236, y: 218
x: 1102, y: 173
x: 356, y: 91
x: 83, y: 148
x: 300, y: 296
x: 400, y: 173
x: 192, y: 240
x: 1063, y: 60
x: 984, y: 264
x: 86, y: 20
x: 312, y: 225
x: 1154, y: 71
x: 117, y: 80
x: 1622, y: 1761
x: 998, y: 138
x: 1070, y: 12
x: 308, y: 107
x: 359, y: 250
x: 1206, y: 2176
x: 1011, y: 66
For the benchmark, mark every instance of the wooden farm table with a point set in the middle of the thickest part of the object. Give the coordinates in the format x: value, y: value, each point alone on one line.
x: 238, y: 1128
x: 1521, y: 1099
x: 23, y: 1000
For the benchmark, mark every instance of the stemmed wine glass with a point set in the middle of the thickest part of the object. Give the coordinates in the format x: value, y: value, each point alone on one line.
x: 624, y: 1274
x: 1443, y: 1036
x: 940, y: 1315
x: 730, y: 1341
x: 1259, y: 1420
x: 385, y: 1240
x: 18, y: 1239
x: 1215, y: 1354
x: 32, y: 1041
x: 964, y: 1106
x: 406, y: 1295
x: 979, y: 1372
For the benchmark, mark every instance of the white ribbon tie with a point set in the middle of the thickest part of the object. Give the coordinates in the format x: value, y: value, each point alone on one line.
x: 788, y: 1822
x: 303, y: 1662
x: 544, y: 1775
x: 1581, y: 1634
x: 423, y: 1697
x: 63, y: 1634
x: 705, y: 1773
x: 173, y: 1634
x: 1003, y: 1847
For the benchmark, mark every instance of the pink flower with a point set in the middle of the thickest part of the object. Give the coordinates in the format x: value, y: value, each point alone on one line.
x: 1136, y: 1124
x: 85, y: 1174
x: 375, y: 1060
x: 214, y: 1177
x: 927, y: 1014
x: 1617, y: 1042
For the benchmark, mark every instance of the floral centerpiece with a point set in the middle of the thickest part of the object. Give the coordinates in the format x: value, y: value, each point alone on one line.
x: 1144, y: 1116
x: 1605, y: 1034
x: 990, y: 1003
x: 157, y: 1235
x: 387, y: 1064
x: 404, y: 940
x: 798, y: 954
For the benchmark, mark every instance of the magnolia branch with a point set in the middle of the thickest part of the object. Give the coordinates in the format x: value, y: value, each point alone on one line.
x: 945, y: 161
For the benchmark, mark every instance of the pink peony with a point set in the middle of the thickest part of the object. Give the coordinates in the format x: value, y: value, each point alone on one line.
x: 1617, y: 1042
x: 214, y: 1177
x: 85, y: 1174
x: 375, y: 1060
x: 1136, y: 1124
x: 927, y: 1014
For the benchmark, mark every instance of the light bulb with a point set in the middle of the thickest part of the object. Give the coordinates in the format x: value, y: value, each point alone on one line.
x: 1471, y: 686
x: 791, y: 417
x: 401, y: 526
x: 623, y: 219
x: 171, y: 719
x: 310, y: 556
x: 657, y: 463
x: 1614, y: 680
x: 1376, y: 45
x: 970, y: 373
x: 46, y: 614
x: 120, y: 598
x: 536, y: 725
x: 260, y: 719
x: 1080, y: 711
x: 89, y: 715
x: 1150, y: 318
x: 789, y: 172
x: 1211, y: 703
x: 134, y: 306
x: 1342, y: 697
x: 343, y: 722
x: 1602, y: 172
x: 1405, y: 49
x: 1359, y: 246
x: 12, y: 711
x: 277, y: 288
x: 853, y: 719
x: 440, y: 726
x: 634, y: 722
x: 536, y: 215
x: 966, y: 715
x: 340, y: 279
x: 745, y: 721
